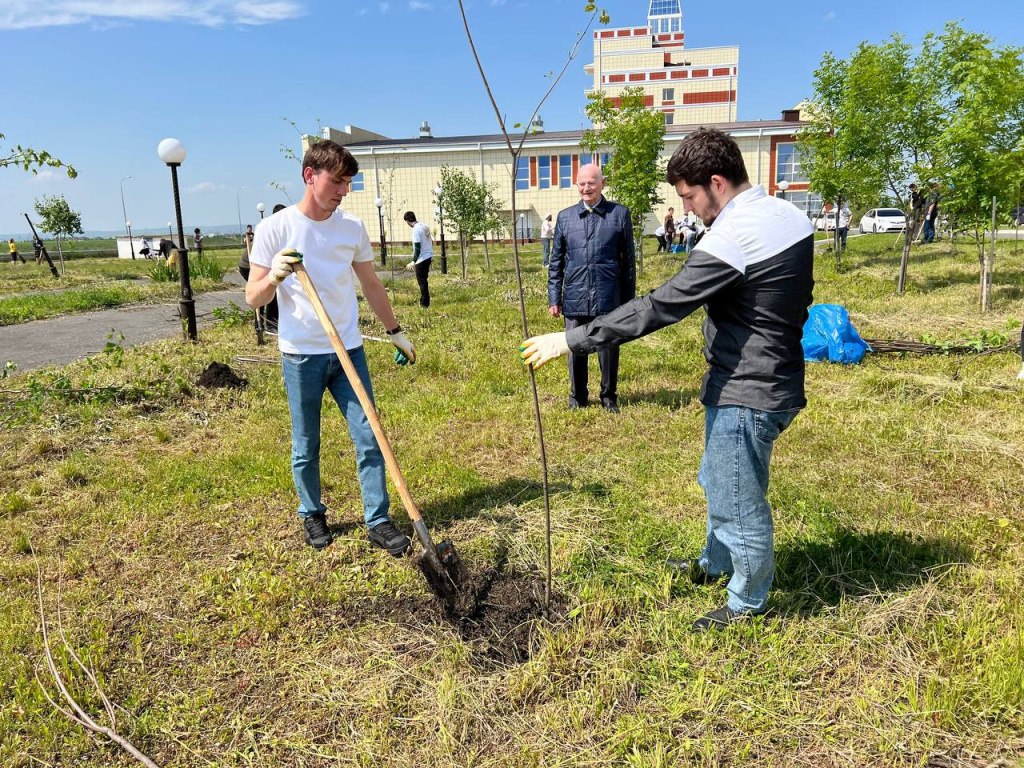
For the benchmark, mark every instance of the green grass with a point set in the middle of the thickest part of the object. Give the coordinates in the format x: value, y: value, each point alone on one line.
x: 30, y: 292
x: 895, y: 636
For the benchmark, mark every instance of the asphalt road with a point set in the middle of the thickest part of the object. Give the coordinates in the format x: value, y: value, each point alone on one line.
x: 60, y: 340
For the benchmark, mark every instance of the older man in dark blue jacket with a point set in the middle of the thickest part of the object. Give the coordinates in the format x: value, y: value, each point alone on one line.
x: 592, y: 271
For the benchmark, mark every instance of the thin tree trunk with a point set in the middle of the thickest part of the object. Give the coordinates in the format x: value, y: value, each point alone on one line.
x: 462, y: 250
x: 60, y: 253
x: 990, y: 270
x: 980, y: 245
x: 487, y: 254
x: 908, y: 238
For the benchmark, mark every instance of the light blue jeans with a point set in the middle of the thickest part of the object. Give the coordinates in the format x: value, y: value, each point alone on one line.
x: 734, y: 475
x: 546, y: 243
x: 306, y: 378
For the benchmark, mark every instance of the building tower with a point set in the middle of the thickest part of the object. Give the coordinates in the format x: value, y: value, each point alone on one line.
x: 690, y: 86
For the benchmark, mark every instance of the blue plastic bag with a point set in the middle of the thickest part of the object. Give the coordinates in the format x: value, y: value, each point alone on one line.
x: 829, y: 335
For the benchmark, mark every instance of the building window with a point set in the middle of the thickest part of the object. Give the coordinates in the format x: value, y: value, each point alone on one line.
x: 544, y: 168
x: 787, y: 163
x: 808, y: 202
x: 664, y: 7
x: 522, y: 173
x: 358, y: 184
x: 668, y: 94
x: 670, y: 118
x: 605, y: 157
x: 564, y: 171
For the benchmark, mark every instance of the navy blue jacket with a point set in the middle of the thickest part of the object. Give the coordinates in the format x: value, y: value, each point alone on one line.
x: 592, y: 268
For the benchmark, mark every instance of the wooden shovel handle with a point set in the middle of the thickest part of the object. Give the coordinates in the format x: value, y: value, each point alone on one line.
x: 364, y: 397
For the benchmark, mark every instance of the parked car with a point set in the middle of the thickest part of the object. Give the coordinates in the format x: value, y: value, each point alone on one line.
x: 826, y: 223
x: 1017, y: 215
x: 883, y: 220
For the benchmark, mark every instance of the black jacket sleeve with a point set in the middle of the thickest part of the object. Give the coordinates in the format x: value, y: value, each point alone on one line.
x: 556, y: 263
x: 628, y: 260
x: 688, y: 290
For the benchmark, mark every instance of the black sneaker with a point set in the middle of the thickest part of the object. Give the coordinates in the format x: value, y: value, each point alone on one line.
x: 610, y: 405
x: 720, y: 618
x: 387, y: 536
x: 318, y: 535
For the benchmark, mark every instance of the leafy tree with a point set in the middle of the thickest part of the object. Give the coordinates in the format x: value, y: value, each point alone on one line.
x: 32, y: 159
x: 57, y: 218
x: 468, y: 205
x: 635, y: 136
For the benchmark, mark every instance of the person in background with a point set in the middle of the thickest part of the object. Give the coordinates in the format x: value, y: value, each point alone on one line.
x: 659, y: 233
x: 13, y: 247
x: 670, y: 228
x: 422, y: 254
x: 197, y: 240
x: 930, y: 215
x: 547, y: 232
x: 145, y: 250
x: 243, y: 260
x: 917, y: 202
x: 843, y: 226
x: 37, y: 249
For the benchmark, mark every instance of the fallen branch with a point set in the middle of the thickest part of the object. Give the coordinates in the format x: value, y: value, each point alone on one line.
x: 71, y: 709
x: 922, y: 348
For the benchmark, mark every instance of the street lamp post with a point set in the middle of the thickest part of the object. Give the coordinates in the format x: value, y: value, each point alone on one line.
x: 261, y: 208
x: 172, y: 152
x: 522, y: 228
x: 125, y: 215
x: 170, y: 234
x: 444, y: 246
x: 783, y: 186
x: 238, y: 209
x: 260, y: 315
x: 383, y: 240
x: 128, y: 226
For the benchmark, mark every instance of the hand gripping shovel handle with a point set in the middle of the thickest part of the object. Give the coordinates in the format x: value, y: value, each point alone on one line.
x: 429, y: 550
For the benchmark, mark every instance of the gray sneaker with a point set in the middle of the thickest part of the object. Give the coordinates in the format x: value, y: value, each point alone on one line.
x: 387, y: 536
x: 318, y: 535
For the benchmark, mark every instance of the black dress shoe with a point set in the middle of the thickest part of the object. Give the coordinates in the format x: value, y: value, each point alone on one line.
x: 720, y: 618
x: 692, y: 570
x: 575, y: 405
x: 610, y: 405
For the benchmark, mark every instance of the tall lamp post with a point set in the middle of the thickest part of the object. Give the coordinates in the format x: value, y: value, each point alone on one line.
x: 172, y: 152
x: 128, y: 226
x: 383, y: 240
x: 125, y: 214
x: 170, y: 234
x: 783, y: 186
x: 444, y: 246
x: 238, y: 209
x: 261, y: 208
x: 522, y: 228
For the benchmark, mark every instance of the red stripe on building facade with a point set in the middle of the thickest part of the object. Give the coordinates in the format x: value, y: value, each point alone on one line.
x: 637, y: 77
x: 533, y: 171
x: 719, y: 71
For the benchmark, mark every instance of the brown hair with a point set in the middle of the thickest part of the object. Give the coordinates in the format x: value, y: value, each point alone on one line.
x: 706, y: 153
x: 327, y: 155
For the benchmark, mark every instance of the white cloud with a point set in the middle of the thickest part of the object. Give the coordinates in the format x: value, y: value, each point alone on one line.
x: 362, y: 11
x: 25, y: 14
x: 47, y: 174
x: 830, y: 16
x: 419, y: 5
x: 205, y: 186
x: 384, y: 7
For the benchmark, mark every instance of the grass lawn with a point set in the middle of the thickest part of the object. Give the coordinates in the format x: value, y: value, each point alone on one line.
x: 30, y: 292
x: 896, y: 631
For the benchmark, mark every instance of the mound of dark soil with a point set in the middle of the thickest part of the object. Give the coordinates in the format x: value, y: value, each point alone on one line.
x: 218, y: 376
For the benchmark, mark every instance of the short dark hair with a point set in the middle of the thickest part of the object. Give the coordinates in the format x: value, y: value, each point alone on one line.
x: 327, y: 155
x: 705, y: 153
x: 278, y: 207
x: 410, y: 217
x: 197, y: 229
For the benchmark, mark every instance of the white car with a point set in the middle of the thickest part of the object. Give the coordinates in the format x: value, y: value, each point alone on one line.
x: 883, y: 220
x: 826, y: 222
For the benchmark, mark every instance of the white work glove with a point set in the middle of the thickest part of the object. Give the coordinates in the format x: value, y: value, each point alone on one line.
x: 283, y: 265
x: 405, y: 352
x: 543, y: 349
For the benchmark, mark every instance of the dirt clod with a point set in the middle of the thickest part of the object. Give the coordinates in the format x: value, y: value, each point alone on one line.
x: 218, y: 376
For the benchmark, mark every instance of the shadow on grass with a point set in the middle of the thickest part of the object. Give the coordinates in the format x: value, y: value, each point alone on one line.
x: 813, y: 575
x: 673, y: 399
x: 496, y: 499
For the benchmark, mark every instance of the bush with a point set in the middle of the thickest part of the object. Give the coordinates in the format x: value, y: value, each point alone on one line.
x: 198, y: 266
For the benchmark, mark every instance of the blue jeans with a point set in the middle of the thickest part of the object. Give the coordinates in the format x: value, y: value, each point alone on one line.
x: 734, y: 475
x: 546, y: 242
x: 928, y: 233
x: 843, y: 233
x: 306, y: 378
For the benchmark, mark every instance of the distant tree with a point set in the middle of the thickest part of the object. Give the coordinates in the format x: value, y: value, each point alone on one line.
x: 57, y: 218
x: 468, y: 205
x: 32, y: 159
x: 635, y: 137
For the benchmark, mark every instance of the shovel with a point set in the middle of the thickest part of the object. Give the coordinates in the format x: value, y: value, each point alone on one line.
x: 440, y: 564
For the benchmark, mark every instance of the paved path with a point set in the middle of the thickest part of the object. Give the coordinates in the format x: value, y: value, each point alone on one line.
x: 59, y: 340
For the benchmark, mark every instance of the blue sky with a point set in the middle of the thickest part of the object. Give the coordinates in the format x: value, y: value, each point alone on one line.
x: 100, y: 82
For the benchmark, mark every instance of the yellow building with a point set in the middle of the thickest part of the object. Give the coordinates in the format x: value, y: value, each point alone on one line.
x: 403, y: 173
x: 690, y: 86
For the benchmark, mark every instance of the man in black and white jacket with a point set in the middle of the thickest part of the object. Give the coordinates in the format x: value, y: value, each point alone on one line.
x: 752, y: 271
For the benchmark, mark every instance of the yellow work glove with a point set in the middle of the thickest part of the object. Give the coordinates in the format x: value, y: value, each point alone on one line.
x: 543, y: 349
x: 283, y: 265
x: 405, y: 352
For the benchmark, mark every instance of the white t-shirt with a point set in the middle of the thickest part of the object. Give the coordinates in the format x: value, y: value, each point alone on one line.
x: 421, y: 235
x: 328, y: 249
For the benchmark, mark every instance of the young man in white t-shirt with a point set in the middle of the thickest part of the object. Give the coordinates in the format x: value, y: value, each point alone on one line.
x: 336, y: 252
x: 422, y: 254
